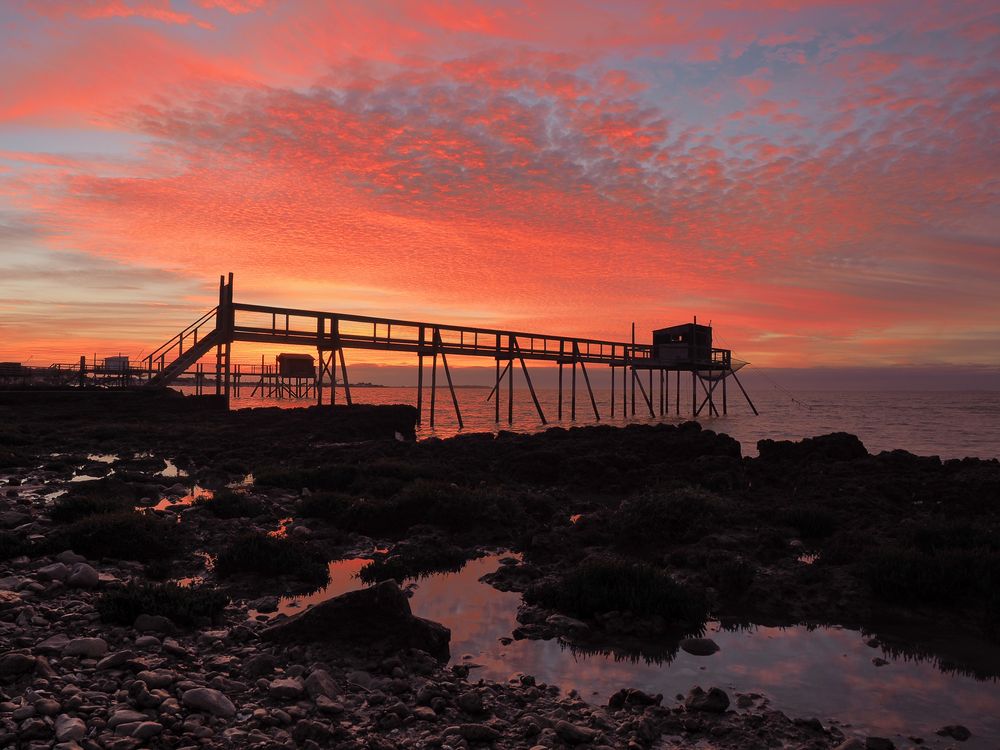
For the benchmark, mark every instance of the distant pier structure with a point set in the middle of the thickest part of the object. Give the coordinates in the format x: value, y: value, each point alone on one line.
x: 640, y: 373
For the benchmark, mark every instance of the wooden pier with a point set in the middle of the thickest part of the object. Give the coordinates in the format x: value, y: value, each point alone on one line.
x: 330, y: 334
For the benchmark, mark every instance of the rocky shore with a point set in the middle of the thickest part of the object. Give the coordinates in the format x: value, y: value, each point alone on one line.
x: 136, y: 611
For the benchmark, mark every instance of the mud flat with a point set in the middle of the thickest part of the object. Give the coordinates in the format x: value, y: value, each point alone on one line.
x: 158, y: 554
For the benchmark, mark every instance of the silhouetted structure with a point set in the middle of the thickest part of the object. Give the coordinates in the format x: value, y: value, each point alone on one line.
x: 678, y: 349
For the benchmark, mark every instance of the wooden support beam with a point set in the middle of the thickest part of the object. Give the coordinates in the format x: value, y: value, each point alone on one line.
x: 572, y: 398
x: 434, y: 371
x: 637, y: 381
x: 451, y: 386
x: 624, y: 389
x: 527, y: 379
x: 343, y: 370
x: 745, y: 395
x: 562, y: 352
x: 496, y: 387
x: 612, y: 391
x: 510, y: 383
x: 420, y: 375
x: 586, y: 379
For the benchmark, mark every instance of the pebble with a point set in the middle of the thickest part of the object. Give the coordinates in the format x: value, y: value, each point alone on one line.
x: 88, y: 648
x: 69, y: 728
x: 210, y: 701
x: 83, y: 576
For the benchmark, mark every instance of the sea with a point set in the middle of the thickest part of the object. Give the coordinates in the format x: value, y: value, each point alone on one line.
x: 948, y: 424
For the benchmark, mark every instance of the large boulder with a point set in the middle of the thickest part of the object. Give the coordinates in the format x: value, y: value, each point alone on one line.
x: 376, y: 618
x: 837, y: 446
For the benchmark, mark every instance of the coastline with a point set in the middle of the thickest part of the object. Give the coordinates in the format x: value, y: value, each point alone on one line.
x: 668, y: 500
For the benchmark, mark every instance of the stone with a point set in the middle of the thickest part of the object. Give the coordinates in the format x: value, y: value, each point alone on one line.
x: 69, y: 557
x: 154, y: 624
x: 115, y: 660
x: 714, y: 701
x: 879, y: 743
x: 319, y: 682
x: 699, y: 646
x: 210, y: 701
x: 147, y: 730
x: 159, y: 678
x: 478, y: 733
x: 87, y: 648
x: 259, y: 665
x: 47, y: 707
x: 54, y: 572
x: 573, y: 734
x: 955, y: 731
x: 328, y: 706
x: 54, y: 644
x: 10, y: 519
x: 471, y: 702
x: 424, y: 713
x: 125, y: 716
x: 627, y: 697
x: 373, y: 619
x: 286, y: 688
x: 852, y: 744
x: 15, y: 664
x: 147, y: 641
x: 83, y: 576
x: 69, y: 728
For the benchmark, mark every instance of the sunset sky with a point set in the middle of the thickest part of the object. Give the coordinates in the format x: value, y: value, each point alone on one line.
x: 818, y: 179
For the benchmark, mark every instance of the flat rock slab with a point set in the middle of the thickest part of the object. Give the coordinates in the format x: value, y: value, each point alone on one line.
x: 377, y: 618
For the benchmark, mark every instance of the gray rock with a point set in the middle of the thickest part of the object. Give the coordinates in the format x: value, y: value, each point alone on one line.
x: 210, y: 701
x: 115, y: 660
x: 714, y: 701
x: 159, y: 678
x: 478, y: 733
x: 83, y: 577
x: 69, y: 728
x: 287, y: 688
x: 146, y: 730
x: 87, y: 648
x: 328, y: 706
x: 54, y: 644
x: 54, y: 572
x: 699, y: 646
x: 319, y: 682
x: 12, y: 664
x: 125, y: 716
x: 147, y: 641
x: 12, y: 518
x: 879, y: 743
x: 955, y: 731
x: 573, y: 734
x: 69, y: 557
x: 259, y: 665
x: 471, y: 703
x: 373, y: 619
x: 852, y: 744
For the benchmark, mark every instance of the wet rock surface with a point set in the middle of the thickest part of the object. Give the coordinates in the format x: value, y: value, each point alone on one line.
x: 93, y: 656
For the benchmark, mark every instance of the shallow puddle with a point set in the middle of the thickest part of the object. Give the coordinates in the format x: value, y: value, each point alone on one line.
x: 170, y: 503
x: 826, y: 672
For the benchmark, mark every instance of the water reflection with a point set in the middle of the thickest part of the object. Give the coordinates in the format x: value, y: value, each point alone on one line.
x: 822, y: 671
